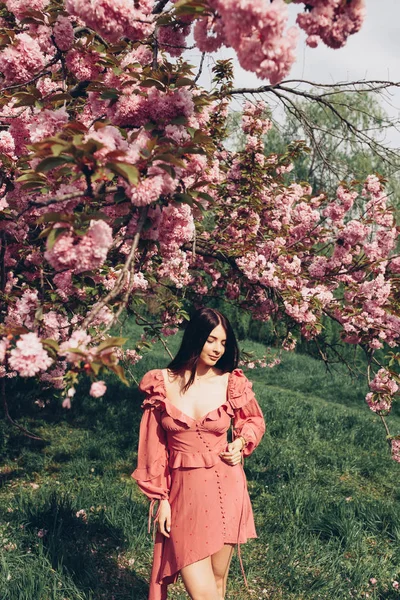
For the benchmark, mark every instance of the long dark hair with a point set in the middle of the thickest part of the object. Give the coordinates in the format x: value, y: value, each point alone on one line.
x: 198, y: 329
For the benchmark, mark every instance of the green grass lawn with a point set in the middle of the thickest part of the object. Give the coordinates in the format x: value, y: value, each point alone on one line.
x: 325, y: 495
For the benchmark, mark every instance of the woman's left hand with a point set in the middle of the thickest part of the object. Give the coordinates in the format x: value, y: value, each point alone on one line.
x: 233, y: 455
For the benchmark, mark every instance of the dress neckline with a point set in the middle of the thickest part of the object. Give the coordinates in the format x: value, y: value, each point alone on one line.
x: 188, y: 416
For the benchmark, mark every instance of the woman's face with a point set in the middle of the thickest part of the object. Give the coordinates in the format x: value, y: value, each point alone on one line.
x: 214, y: 347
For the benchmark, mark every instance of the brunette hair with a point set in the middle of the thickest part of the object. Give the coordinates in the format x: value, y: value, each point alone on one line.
x: 198, y: 329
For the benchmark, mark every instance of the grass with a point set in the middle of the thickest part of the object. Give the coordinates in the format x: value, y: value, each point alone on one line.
x: 324, y: 490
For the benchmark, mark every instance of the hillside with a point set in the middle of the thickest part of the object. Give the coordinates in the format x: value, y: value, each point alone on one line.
x: 324, y: 491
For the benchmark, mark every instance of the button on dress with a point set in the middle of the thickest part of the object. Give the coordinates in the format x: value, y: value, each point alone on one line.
x: 178, y: 460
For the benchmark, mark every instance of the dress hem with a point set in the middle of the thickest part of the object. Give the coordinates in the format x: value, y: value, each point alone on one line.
x: 172, y: 578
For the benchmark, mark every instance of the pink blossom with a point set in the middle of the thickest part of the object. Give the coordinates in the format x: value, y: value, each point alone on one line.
x: 29, y: 357
x: 394, y: 264
x: 372, y: 185
x: 142, y: 54
x: 331, y: 21
x: 147, y: 191
x: 21, y: 60
x: 172, y: 38
x: 111, y: 139
x: 83, y: 63
x: 7, y: 144
x: 256, y: 31
x: 4, y: 344
x: 78, y: 340
x: 46, y: 123
x: 176, y: 227
x: 115, y: 19
x: 3, y: 203
x: 98, y: 389
x: 23, y: 311
x: 354, y: 232
x: 132, y: 356
x: 383, y: 382
x: 81, y: 514
x: 66, y: 403
x: 21, y: 7
x: 55, y: 376
x: 81, y: 254
x: 41, y: 533
x: 63, y: 33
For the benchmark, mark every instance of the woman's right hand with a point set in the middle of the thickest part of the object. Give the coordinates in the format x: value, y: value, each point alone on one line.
x: 164, y: 518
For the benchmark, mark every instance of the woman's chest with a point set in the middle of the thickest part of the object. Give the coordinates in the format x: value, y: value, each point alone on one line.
x: 200, y: 399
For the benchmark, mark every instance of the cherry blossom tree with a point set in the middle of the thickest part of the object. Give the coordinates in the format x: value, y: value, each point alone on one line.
x: 118, y: 194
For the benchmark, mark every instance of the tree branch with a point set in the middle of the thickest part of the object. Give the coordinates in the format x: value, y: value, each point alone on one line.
x: 121, y: 277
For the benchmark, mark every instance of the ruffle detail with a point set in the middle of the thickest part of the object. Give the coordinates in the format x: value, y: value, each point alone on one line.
x: 152, y: 384
x: 192, y: 460
x: 240, y: 389
x: 239, y: 393
x: 215, y: 414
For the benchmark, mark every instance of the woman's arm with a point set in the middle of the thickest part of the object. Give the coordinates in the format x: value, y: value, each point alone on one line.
x: 248, y: 420
x: 152, y: 471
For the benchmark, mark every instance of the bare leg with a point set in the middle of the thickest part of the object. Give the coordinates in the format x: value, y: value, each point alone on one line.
x: 199, y: 580
x: 221, y: 561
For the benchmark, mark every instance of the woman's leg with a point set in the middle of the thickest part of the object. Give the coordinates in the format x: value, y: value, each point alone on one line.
x: 220, y: 562
x: 199, y: 580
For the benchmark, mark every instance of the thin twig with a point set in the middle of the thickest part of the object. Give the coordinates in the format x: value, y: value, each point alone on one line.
x: 26, y: 432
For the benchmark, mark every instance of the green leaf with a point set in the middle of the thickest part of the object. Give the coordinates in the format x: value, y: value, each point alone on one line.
x: 184, y: 198
x: 153, y: 83
x: 126, y: 170
x: 54, y: 235
x: 181, y: 120
x: 110, y: 94
x: 32, y: 185
x: 205, y: 196
x: 96, y: 367
x: 111, y: 342
x: 54, y: 217
x: 51, y: 162
x: 184, y: 81
x: 170, y: 158
x: 51, y: 344
x: 168, y: 169
x: 118, y: 370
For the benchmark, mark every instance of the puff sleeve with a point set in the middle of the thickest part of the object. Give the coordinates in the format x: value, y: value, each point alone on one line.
x: 248, y: 420
x: 152, y: 472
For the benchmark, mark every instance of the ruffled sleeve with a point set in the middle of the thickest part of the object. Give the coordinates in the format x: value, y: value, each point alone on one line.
x: 248, y: 420
x: 152, y: 472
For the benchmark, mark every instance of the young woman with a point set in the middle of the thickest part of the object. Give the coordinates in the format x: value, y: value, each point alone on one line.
x: 186, y: 463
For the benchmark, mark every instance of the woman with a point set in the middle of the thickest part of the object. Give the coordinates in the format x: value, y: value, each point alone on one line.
x: 186, y: 462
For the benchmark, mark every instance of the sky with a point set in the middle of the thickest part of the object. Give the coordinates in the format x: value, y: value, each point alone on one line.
x: 372, y: 53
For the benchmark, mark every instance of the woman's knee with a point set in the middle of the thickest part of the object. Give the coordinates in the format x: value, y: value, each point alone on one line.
x: 206, y: 592
x: 200, y: 582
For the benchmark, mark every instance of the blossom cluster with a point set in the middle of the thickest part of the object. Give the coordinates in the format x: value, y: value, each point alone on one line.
x: 118, y: 191
x: 256, y: 30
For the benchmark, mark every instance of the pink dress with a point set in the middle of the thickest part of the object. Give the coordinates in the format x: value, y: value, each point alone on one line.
x: 178, y: 459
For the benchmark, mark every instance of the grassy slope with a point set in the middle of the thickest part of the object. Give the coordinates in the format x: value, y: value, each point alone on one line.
x: 324, y: 491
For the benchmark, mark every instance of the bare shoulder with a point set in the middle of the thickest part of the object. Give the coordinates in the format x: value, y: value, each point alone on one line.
x: 169, y: 377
